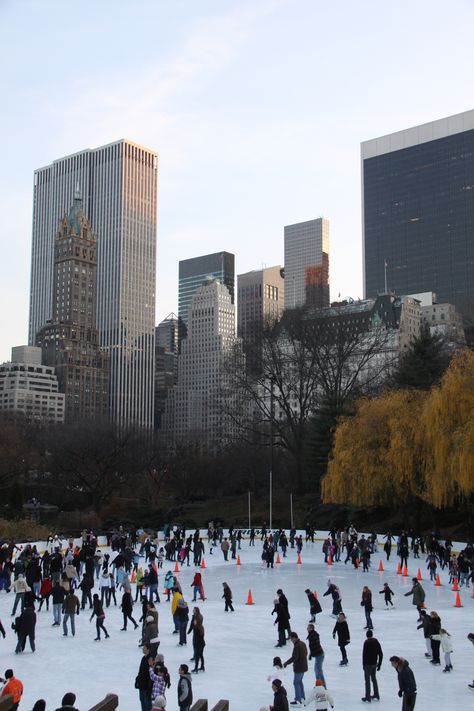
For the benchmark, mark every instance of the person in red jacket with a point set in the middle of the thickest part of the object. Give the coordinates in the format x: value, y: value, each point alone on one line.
x: 197, y: 585
x: 12, y: 686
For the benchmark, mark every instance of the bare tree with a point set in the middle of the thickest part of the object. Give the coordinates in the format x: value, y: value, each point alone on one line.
x: 305, y: 359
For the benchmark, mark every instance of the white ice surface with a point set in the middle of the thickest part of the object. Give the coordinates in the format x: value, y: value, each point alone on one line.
x: 240, y: 645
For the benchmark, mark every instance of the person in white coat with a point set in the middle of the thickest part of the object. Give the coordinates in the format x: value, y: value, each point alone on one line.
x: 319, y: 697
x: 278, y: 671
x: 446, y: 645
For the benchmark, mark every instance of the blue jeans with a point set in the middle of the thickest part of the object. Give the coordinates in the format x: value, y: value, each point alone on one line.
x: 298, y: 684
x: 318, y: 668
x: 182, y: 631
x: 69, y: 616
x: 57, y: 608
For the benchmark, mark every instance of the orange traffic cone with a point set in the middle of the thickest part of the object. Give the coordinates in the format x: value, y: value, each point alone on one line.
x: 132, y: 579
x: 315, y: 594
x: 202, y: 591
x: 203, y: 564
x: 438, y: 581
x: 176, y: 567
x: 455, y: 587
x: 249, y: 599
x: 299, y: 559
x: 405, y: 571
x: 278, y: 561
x: 472, y: 594
x: 356, y: 563
x: 399, y: 569
x: 330, y: 560
x: 418, y: 575
x: 380, y: 567
x: 458, y: 600
x: 238, y: 560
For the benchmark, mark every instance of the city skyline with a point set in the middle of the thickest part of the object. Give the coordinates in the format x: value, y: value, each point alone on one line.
x: 118, y: 183
x: 238, y: 161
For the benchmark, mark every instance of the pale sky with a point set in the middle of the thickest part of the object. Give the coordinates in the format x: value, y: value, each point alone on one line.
x: 256, y: 107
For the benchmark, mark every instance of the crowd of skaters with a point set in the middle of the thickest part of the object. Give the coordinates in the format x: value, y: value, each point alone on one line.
x: 56, y: 576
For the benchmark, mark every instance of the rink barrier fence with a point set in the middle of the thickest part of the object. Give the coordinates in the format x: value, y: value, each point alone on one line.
x: 102, y: 540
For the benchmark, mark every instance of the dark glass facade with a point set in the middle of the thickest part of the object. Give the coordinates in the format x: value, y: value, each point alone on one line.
x: 419, y: 217
x: 193, y: 272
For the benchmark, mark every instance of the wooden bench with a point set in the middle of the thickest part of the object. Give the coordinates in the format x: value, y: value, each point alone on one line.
x: 221, y: 705
x: 199, y: 705
x: 110, y: 703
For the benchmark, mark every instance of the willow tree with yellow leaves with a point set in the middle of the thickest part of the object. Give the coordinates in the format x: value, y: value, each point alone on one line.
x: 408, y: 445
x: 447, y: 424
x: 375, y: 459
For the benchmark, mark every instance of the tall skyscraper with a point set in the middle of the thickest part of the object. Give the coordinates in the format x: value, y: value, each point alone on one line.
x: 70, y: 341
x: 418, y: 211
x: 193, y: 272
x: 195, y: 409
x: 118, y: 183
x: 260, y: 299
x: 307, y: 264
x: 166, y: 362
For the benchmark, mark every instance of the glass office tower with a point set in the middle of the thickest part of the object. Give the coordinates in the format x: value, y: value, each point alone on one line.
x: 118, y: 184
x: 193, y: 273
x: 418, y: 212
x: 307, y: 264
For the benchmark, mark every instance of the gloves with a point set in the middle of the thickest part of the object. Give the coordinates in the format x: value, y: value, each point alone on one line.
x: 400, y: 693
x: 334, y: 636
x: 378, y: 668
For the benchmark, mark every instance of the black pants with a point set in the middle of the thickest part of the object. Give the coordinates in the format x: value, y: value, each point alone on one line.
x: 198, y: 657
x: 228, y: 606
x: 409, y: 701
x: 99, y: 625
x: 435, y: 650
x: 342, y: 647
x: 128, y: 617
x: 369, y: 675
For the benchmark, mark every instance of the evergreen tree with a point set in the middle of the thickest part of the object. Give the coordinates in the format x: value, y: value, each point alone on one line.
x: 424, y: 364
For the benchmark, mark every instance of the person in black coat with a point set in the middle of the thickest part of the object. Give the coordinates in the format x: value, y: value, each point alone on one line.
x: 434, y: 628
x: 281, y: 621
x: 406, y: 682
x: 280, y: 698
x: 227, y: 598
x: 341, y: 628
x: 127, y: 609
x: 99, y: 614
x: 284, y: 601
x: 372, y: 657
x: 316, y: 652
x: 143, y: 682
x: 25, y: 627
x: 314, y: 606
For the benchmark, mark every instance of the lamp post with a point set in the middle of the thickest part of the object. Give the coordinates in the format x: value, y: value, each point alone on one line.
x: 271, y: 452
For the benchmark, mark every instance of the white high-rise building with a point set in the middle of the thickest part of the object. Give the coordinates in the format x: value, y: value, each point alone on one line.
x: 307, y: 264
x: 29, y: 388
x: 118, y: 185
x: 195, y: 409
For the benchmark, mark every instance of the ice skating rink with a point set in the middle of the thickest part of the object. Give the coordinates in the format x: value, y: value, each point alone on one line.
x: 240, y: 645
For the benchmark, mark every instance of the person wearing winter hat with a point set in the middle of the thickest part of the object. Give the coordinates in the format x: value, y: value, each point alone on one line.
x: 319, y: 697
x: 68, y: 701
x: 280, y: 697
x: 159, y: 703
